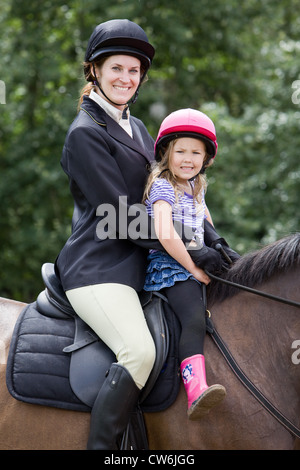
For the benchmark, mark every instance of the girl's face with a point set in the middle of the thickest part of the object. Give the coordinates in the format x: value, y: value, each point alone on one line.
x: 186, y: 158
x: 119, y: 78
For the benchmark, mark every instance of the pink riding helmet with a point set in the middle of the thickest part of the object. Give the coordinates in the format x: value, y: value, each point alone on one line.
x: 187, y: 123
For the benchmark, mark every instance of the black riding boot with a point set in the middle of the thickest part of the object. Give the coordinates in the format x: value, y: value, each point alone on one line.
x: 111, y: 411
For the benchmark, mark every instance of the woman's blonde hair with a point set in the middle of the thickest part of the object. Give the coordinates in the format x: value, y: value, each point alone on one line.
x: 162, y: 169
x: 89, y: 76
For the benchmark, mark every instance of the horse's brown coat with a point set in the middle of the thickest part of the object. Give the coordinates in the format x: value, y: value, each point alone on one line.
x: 31, y: 427
x: 259, y: 333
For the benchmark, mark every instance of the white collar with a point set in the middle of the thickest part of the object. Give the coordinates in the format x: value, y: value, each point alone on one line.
x: 111, y: 110
x: 114, y: 113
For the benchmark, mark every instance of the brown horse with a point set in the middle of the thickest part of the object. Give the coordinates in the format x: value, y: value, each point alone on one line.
x: 264, y: 337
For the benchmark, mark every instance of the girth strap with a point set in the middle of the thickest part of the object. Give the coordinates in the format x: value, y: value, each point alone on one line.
x: 89, y: 339
x: 247, y: 382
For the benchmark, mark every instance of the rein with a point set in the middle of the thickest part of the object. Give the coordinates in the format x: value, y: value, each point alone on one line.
x: 254, y: 291
x: 260, y: 397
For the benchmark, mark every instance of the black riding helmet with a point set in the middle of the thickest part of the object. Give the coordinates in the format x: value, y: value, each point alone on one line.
x: 119, y: 37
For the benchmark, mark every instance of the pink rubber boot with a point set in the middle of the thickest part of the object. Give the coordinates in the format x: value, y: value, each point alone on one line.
x: 201, y: 397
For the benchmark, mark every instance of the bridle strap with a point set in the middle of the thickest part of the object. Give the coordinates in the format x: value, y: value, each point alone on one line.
x: 254, y: 291
x: 233, y: 364
x: 247, y: 382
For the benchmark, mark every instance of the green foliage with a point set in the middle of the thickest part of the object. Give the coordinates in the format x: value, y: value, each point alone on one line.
x: 236, y: 61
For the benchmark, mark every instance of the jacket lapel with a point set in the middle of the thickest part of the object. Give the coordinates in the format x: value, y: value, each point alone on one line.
x: 101, y: 117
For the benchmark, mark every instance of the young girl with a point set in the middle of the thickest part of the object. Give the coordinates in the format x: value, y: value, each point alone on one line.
x: 186, y: 145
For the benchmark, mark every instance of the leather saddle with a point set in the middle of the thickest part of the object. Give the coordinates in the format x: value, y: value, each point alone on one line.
x: 90, y: 356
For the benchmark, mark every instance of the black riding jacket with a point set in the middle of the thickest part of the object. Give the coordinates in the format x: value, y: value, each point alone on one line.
x: 103, y: 163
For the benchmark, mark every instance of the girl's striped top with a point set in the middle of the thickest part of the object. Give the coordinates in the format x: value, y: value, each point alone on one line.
x: 185, y: 209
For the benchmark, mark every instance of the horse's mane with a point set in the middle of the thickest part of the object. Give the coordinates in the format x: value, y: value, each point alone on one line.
x: 257, y: 267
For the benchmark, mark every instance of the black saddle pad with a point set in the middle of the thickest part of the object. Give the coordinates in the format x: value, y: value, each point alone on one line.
x: 38, y: 369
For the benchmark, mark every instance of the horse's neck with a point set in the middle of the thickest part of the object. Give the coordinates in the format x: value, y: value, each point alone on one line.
x: 253, y: 325
x: 260, y: 334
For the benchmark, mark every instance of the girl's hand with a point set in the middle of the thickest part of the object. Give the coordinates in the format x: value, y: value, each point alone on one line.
x: 200, y: 275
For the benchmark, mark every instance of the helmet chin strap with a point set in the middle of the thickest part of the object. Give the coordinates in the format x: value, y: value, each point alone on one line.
x: 202, y: 171
x: 132, y: 100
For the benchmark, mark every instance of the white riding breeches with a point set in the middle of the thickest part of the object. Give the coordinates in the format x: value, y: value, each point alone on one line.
x: 114, y: 312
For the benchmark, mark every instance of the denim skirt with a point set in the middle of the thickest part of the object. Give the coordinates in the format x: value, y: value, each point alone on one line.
x: 163, y: 271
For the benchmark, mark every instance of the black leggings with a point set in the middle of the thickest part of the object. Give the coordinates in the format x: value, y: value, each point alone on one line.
x: 186, y: 300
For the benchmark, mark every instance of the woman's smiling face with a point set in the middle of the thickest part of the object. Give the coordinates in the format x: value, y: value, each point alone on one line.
x: 119, y: 77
